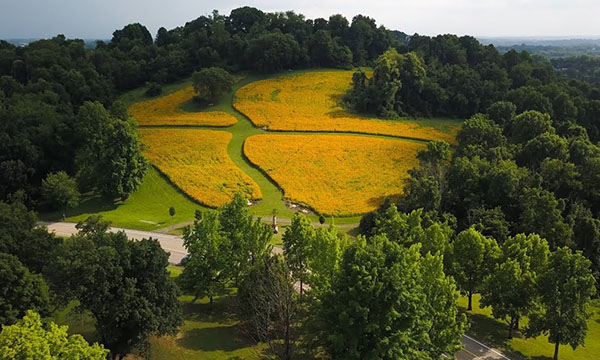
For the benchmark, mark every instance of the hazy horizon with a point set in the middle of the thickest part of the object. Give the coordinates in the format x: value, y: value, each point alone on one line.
x: 483, y: 18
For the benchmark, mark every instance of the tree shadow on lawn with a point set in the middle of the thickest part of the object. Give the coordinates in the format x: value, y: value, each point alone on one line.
x: 221, y: 338
x: 91, y: 204
x: 221, y: 331
x: 495, y: 333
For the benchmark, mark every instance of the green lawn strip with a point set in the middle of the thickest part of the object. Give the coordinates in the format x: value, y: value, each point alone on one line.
x: 494, y: 332
x: 146, y: 209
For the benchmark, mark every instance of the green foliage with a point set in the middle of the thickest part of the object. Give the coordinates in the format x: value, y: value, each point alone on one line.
x: 479, y: 134
x: 473, y: 258
x: 528, y: 125
x: 296, y: 247
x: 124, y: 284
x: 59, y: 190
x: 268, y: 307
x: 565, y: 289
x: 389, y: 92
x: 207, y: 268
x: 114, y: 170
x: 325, y: 253
x: 510, y: 289
x: 541, y: 214
x: 274, y: 52
x: 248, y: 238
x: 211, y: 83
x: 20, y: 236
x: 407, y: 230
x: 380, y: 302
x: 154, y: 89
x: 20, y: 291
x: 502, y: 112
x: 29, y: 339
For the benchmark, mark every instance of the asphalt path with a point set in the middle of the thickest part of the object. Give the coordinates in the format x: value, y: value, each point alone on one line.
x: 472, y: 349
x: 173, y: 244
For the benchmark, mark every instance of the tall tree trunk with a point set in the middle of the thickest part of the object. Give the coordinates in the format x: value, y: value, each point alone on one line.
x: 511, y: 325
x: 470, y: 307
x: 287, y: 353
x: 210, y: 298
x: 556, y: 350
x: 300, y: 287
x: 517, y: 323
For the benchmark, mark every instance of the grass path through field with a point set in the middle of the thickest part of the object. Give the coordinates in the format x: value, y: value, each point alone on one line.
x: 151, y: 206
x: 244, y: 128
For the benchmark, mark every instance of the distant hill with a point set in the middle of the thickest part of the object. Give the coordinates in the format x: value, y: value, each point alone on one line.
x: 550, y: 47
x: 89, y: 43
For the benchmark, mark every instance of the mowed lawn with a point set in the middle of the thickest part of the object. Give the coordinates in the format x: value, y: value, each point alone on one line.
x: 207, y: 334
x: 145, y: 209
x: 491, y: 331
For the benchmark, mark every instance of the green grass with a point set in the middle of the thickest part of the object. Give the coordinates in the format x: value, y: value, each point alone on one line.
x: 491, y: 331
x: 145, y: 209
x: 207, y: 333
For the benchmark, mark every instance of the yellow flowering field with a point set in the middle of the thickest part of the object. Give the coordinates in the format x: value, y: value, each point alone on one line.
x: 334, y: 174
x: 311, y: 102
x: 197, y: 162
x: 165, y: 111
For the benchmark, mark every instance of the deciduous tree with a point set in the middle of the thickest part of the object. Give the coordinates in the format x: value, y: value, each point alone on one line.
x: 29, y: 339
x: 565, y: 290
x: 474, y: 257
x: 124, y: 284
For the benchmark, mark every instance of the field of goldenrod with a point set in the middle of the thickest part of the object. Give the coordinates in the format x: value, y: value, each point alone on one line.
x: 334, y: 174
x: 165, y: 111
x: 311, y: 102
x: 197, y: 162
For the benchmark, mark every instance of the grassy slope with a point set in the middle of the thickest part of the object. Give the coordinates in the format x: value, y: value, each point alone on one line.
x: 494, y: 332
x: 145, y: 209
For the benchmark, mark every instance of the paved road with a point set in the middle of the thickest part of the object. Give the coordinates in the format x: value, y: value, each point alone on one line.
x: 472, y: 350
x: 171, y: 243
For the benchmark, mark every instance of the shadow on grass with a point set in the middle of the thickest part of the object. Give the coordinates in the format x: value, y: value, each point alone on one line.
x: 222, y: 338
x: 495, y: 333
x: 90, y: 205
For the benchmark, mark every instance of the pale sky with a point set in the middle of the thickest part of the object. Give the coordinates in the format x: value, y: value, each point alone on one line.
x: 98, y: 19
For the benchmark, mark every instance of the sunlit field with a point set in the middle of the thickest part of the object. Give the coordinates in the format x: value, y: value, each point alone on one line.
x: 311, y: 102
x: 166, y: 111
x: 197, y: 162
x: 334, y: 174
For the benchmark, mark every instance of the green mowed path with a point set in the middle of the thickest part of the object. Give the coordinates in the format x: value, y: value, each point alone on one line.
x: 494, y: 332
x: 147, y: 209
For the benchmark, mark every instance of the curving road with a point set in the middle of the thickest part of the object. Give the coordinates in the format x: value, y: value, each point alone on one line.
x: 472, y: 349
x: 170, y: 243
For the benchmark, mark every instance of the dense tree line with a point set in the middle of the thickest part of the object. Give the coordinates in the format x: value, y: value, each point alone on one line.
x: 458, y: 77
x: 586, y: 68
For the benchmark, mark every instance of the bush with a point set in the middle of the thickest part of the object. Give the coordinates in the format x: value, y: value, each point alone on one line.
x: 154, y: 89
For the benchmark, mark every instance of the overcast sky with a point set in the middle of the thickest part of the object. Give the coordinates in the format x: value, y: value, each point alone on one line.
x: 98, y: 19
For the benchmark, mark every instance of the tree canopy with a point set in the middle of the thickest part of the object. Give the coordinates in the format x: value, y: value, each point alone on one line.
x: 30, y: 339
x: 124, y: 284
